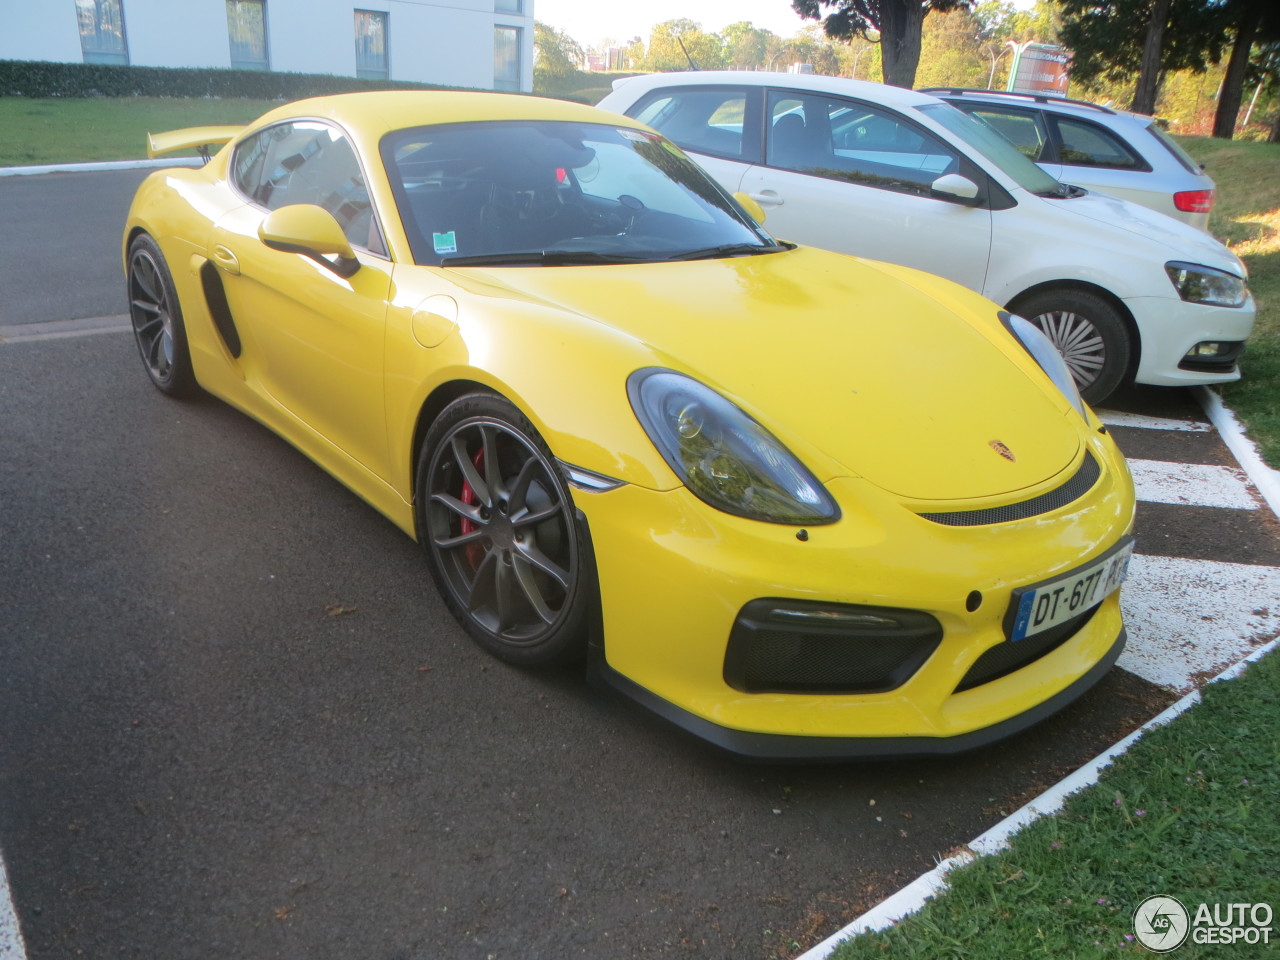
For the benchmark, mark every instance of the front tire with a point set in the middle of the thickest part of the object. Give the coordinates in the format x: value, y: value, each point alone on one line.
x: 498, y: 524
x: 1089, y: 332
x: 158, y: 328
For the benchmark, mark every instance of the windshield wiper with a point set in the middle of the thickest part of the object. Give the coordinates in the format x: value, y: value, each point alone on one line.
x: 541, y: 258
x: 732, y: 250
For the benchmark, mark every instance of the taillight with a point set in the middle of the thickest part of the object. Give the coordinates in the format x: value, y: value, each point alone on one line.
x: 1194, y: 201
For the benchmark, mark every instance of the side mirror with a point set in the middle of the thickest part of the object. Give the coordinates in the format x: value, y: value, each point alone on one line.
x: 752, y: 206
x: 311, y: 231
x: 955, y: 187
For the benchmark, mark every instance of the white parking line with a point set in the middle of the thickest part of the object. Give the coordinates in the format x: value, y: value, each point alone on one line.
x: 11, y: 946
x: 61, y: 329
x: 1118, y: 418
x: 1193, y: 484
x: 1187, y: 619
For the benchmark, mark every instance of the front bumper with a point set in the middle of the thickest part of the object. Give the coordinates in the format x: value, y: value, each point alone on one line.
x: 1168, y: 328
x: 771, y: 746
x: 674, y: 576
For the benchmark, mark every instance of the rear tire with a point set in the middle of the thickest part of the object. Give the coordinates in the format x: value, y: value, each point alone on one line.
x: 158, y: 327
x: 1089, y: 332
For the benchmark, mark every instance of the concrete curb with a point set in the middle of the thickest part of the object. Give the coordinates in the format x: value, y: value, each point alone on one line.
x: 1242, y: 448
x: 103, y: 165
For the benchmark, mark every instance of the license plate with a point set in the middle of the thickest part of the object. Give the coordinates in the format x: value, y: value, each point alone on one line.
x: 1038, y: 608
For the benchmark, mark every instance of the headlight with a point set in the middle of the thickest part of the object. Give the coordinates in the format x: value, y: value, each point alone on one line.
x: 1197, y: 284
x: 1043, y: 351
x: 724, y: 457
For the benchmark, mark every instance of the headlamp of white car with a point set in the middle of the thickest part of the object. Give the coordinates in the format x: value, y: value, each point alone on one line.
x: 723, y: 456
x: 1043, y: 352
x: 1199, y: 284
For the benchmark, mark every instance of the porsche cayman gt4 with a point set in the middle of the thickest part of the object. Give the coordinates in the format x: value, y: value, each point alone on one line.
x: 801, y: 504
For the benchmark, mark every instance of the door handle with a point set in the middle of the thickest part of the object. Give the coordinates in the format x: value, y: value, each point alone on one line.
x: 767, y: 198
x: 227, y: 260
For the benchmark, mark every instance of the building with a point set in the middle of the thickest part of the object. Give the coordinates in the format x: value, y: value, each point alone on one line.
x: 486, y: 44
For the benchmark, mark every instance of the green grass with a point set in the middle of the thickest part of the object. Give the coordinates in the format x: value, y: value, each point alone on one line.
x: 1247, y: 218
x: 75, y: 130
x: 1189, y: 812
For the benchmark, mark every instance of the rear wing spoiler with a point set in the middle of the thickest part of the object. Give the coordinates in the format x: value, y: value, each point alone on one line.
x: 199, y: 137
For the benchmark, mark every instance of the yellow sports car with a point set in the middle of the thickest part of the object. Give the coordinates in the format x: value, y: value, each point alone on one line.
x: 801, y: 504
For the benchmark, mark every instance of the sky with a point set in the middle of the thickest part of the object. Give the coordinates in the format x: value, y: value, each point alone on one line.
x: 590, y: 21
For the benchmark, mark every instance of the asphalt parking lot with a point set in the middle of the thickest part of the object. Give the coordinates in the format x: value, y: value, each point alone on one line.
x: 239, y: 722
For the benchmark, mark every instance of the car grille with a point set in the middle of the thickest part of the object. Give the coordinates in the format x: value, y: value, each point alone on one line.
x: 771, y: 653
x: 1072, y: 490
x: 1004, y: 658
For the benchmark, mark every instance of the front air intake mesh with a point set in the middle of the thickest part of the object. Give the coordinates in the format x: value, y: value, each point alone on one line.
x: 1072, y: 490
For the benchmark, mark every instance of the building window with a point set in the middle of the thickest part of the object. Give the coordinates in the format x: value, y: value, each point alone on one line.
x: 247, y: 31
x: 508, y: 6
x: 102, y: 31
x: 371, y: 45
x: 506, y: 58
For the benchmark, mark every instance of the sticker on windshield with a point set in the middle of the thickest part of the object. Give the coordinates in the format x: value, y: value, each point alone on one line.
x: 636, y: 136
x: 445, y: 242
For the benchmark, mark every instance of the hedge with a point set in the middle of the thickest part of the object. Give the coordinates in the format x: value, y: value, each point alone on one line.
x: 42, y: 78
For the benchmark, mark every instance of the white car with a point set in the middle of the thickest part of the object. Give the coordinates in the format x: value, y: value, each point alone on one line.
x: 1112, y: 151
x: 1125, y: 293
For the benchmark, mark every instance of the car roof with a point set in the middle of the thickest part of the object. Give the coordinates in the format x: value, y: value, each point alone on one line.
x: 1080, y: 108
x: 378, y: 112
x: 814, y: 83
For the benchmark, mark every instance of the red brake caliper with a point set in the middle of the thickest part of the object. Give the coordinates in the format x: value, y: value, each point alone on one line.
x: 474, y: 551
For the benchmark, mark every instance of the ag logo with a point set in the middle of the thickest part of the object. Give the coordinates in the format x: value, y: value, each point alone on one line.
x: 1161, y: 923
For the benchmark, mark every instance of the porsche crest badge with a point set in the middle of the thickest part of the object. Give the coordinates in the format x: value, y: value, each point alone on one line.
x: 1004, y: 451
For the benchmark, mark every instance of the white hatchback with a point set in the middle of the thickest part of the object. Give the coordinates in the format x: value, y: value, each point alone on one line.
x: 1126, y: 294
x: 1124, y: 154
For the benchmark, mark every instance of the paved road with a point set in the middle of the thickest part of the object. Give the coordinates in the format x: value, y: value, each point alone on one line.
x: 60, y: 245
x: 238, y: 722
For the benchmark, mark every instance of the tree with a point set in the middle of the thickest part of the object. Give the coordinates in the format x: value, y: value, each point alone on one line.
x: 673, y: 44
x: 555, y: 53
x: 1115, y: 40
x: 1149, y: 69
x: 897, y: 24
x: 745, y: 45
x: 951, y: 51
x: 1251, y: 20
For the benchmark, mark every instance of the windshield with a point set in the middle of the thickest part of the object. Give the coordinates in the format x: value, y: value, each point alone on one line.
x: 553, y: 193
x: 993, y: 145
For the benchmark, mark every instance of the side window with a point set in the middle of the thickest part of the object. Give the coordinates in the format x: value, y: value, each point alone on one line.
x: 308, y: 162
x: 704, y: 120
x: 1088, y: 145
x: 1025, y: 129
x: 846, y: 140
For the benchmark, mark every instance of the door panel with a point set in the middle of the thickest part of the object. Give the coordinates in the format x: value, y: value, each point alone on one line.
x: 856, y: 178
x: 312, y: 341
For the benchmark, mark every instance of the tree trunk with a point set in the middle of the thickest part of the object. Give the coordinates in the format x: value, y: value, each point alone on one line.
x: 1224, y: 121
x: 1144, y: 97
x: 900, y: 27
x: 1275, y: 129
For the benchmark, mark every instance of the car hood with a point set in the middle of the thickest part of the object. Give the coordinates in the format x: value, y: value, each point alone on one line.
x: 1180, y: 241
x: 862, y: 369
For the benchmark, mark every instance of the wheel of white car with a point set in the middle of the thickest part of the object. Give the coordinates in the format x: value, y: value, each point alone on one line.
x: 1089, y: 332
